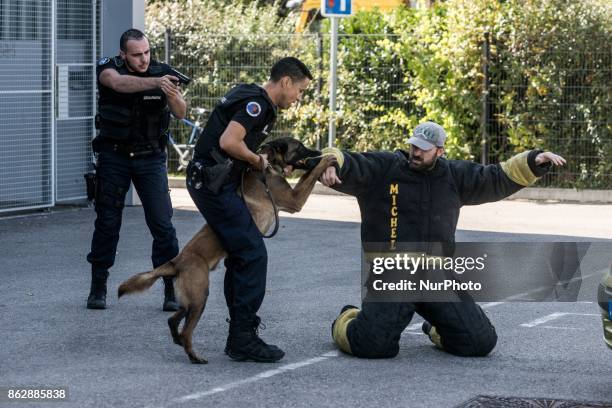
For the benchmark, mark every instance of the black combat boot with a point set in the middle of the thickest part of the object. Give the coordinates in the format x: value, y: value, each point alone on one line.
x: 170, y: 304
x: 97, y: 292
x: 244, y: 343
x: 229, y: 337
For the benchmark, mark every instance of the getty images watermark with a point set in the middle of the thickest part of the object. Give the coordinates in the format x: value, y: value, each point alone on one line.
x: 498, y: 271
x: 411, y: 264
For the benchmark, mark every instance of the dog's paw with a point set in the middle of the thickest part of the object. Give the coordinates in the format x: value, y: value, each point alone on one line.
x: 327, y: 160
x: 197, y: 360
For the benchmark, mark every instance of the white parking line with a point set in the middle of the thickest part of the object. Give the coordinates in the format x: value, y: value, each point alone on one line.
x: 260, y: 376
x: 491, y: 304
x: 560, y: 328
x: 553, y: 316
x: 524, y: 296
x: 288, y: 367
x: 414, y: 326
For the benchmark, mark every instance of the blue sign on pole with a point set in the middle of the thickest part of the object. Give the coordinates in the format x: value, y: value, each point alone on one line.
x: 336, y: 8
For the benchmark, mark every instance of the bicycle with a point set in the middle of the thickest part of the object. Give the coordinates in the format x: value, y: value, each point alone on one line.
x: 185, y: 150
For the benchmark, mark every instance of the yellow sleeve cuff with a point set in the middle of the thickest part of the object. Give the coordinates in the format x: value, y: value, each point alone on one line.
x: 336, y: 153
x: 340, y: 328
x: 517, y: 169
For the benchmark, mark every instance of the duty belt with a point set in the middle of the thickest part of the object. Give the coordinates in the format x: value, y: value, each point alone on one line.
x: 131, y: 151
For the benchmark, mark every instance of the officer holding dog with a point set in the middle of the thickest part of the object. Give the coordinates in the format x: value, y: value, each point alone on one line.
x: 227, y: 146
x: 136, y: 97
x: 414, y: 197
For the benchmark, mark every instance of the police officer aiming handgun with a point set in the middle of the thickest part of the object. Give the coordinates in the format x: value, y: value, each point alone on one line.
x: 227, y: 146
x: 136, y: 96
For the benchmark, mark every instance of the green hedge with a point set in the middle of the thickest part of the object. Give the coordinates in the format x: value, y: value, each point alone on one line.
x: 550, y: 73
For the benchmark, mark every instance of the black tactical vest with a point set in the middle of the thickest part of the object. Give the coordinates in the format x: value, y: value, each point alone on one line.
x: 140, y: 118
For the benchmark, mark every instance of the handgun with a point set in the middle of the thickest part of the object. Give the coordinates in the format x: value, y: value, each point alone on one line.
x: 182, y: 78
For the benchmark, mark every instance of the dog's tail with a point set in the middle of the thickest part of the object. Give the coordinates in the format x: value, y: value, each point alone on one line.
x: 145, y: 280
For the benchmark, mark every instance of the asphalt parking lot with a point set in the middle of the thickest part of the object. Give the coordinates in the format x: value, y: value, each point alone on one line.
x: 124, y: 357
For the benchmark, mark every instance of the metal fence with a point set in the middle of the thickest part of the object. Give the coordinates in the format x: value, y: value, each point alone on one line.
x: 26, y: 94
x: 559, y: 100
x: 227, y: 61
x: 573, y: 118
x: 76, y: 46
x: 46, y: 100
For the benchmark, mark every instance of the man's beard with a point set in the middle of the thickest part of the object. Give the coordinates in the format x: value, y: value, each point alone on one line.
x: 131, y: 67
x: 422, y: 165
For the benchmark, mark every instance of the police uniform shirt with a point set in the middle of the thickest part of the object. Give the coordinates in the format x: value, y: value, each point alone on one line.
x: 117, y: 110
x: 247, y: 104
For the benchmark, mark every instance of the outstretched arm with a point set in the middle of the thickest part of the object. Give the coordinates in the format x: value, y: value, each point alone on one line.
x: 330, y: 177
x: 551, y: 157
x: 355, y: 172
x: 481, y: 184
x: 130, y: 83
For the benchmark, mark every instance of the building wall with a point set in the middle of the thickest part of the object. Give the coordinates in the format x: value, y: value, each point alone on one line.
x: 118, y: 16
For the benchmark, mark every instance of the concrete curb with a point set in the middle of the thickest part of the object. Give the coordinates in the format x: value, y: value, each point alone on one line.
x: 531, y: 193
x: 564, y: 194
x: 176, y: 182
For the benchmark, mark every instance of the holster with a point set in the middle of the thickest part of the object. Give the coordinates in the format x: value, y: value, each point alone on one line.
x: 95, y: 144
x: 90, y: 183
x: 212, y: 177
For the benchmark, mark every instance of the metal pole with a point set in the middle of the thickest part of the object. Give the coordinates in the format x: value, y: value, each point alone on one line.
x: 484, y: 154
x: 333, y: 59
x: 53, y: 113
x: 167, y: 39
x: 94, y: 82
x: 167, y: 45
x: 320, y: 81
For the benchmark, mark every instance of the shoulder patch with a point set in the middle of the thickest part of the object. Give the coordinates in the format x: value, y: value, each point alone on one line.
x: 103, y: 61
x: 253, y: 109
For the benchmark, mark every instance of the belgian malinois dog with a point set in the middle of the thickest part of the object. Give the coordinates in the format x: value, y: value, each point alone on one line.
x: 203, y: 252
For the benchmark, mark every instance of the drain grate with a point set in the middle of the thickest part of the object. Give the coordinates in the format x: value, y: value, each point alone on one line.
x: 486, y: 401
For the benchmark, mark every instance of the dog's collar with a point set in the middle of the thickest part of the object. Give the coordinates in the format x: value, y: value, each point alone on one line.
x: 271, y: 166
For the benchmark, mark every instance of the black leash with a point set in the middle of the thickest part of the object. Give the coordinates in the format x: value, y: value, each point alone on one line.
x: 263, y: 180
